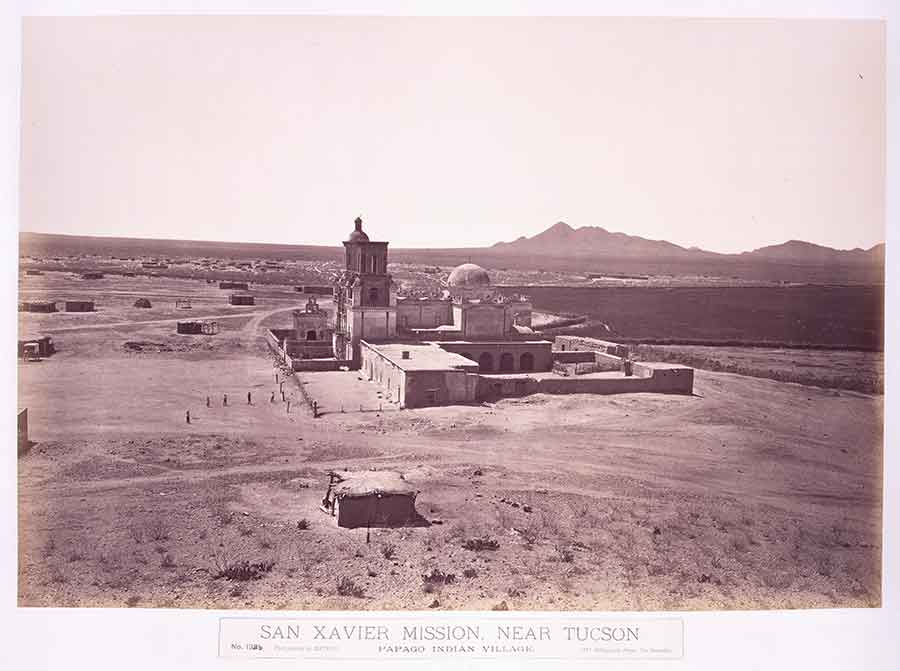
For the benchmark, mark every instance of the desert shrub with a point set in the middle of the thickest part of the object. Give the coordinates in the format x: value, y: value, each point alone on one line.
x: 266, y: 542
x: 224, y: 516
x: 346, y: 587
x: 137, y: 533
x: 481, y: 544
x: 470, y: 573
x: 388, y: 550
x: 565, y: 555
x: 157, y: 530
x: 74, y: 555
x: 437, y: 578
x: 244, y: 570
x: 303, y: 524
x: 49, y: 548
x: 167, y: 561
x: 132, y: 601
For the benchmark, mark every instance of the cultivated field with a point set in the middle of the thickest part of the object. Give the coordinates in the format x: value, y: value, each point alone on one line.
x: 752, y: 493
x: 798, y: 316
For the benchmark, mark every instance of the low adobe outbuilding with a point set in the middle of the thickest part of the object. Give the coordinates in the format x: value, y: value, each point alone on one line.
x: 241, y: 299
x: 371, y: 499
x: 37, y: 306
x: 79, y: 306
x: 36, y: 347
x: 143, y: 303
x: 240, y: 286
x: 189, y: 327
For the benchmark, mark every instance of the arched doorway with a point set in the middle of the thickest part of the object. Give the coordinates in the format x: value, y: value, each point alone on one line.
x: 507, y: 363
x: 485, y: 363
x: 373, y: 296
x: 526, y: 361
x: 311, y: 334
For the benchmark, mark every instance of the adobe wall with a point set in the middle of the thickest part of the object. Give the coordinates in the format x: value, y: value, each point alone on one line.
x: 291, y: 352
x: 417, y: 313
x: 388, y: 510
x: 541, y: 353
x: 516, y: 313
x: 323, y: 364
x: 667, y: 378
x: 492, y: 388
x: 578, y: 343
x: 433, y: 388
x: 577, y: 356
x: 483, y: 321
x: 607, y: 362
x: 385, y: 372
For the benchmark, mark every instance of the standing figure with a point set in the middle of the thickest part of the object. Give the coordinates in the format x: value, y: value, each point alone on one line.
x: 224, y: 399
x: 187, y: 416
x: 248, y: 398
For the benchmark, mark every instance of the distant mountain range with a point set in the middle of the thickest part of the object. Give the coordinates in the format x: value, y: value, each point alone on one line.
x: 563, y: 240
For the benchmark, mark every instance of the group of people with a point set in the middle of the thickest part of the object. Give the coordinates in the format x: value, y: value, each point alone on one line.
x: 284, y: 399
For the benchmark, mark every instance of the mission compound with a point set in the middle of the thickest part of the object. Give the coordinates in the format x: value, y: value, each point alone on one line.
x: 469, y: 343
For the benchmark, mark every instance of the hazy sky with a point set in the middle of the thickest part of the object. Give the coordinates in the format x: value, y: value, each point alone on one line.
x: 724, y: 134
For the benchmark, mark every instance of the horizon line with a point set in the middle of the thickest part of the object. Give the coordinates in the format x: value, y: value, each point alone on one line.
x: 480, y: 248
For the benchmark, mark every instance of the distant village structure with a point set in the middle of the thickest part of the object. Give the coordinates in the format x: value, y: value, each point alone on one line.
x: 471, y: 343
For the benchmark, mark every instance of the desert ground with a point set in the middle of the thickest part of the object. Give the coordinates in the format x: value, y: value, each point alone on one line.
x: 750, y: 494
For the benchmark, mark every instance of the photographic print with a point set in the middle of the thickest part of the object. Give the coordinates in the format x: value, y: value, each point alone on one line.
x: 426, y: 314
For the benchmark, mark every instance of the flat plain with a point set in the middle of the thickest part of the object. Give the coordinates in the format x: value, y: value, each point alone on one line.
x: 750, y: 494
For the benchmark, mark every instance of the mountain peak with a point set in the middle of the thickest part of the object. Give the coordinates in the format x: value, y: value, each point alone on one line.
x: 563, y: 240
x: 560, y: 227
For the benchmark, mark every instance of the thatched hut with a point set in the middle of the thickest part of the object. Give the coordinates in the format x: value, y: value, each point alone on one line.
x: 143, y: 303
x: 371, y: 499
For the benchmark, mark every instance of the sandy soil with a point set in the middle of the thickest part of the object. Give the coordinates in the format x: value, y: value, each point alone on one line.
x: 750, y: 494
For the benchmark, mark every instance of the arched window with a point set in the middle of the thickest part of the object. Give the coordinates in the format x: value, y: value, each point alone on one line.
x: 486, y: 363
x: 526, y: 362
x: 507, y: 362
x: 311, y: 334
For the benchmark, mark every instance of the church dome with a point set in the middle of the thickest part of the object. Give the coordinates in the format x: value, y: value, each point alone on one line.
x: 358, y: 235
x: 469, y: 275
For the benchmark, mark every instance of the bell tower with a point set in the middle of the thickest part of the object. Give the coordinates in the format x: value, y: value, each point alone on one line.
x: 366, y: 307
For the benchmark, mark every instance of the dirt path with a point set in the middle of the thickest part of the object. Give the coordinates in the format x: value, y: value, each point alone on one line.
x: 151, y: 322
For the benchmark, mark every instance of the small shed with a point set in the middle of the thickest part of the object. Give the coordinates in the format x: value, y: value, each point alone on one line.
x: 32, y: 347
x: 371, y: 499
x: 37, y: 306
x: 241, y: 299
x: 143, y: 303
x: 79, y: 306
x: 92, y: 276
x: 240, y: 286
x: 189, y: 327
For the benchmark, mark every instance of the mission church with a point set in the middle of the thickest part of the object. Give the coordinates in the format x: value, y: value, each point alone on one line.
x: 471, y: 343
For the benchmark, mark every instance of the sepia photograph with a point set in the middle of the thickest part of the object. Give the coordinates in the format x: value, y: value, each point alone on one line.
x: 424, y: 314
